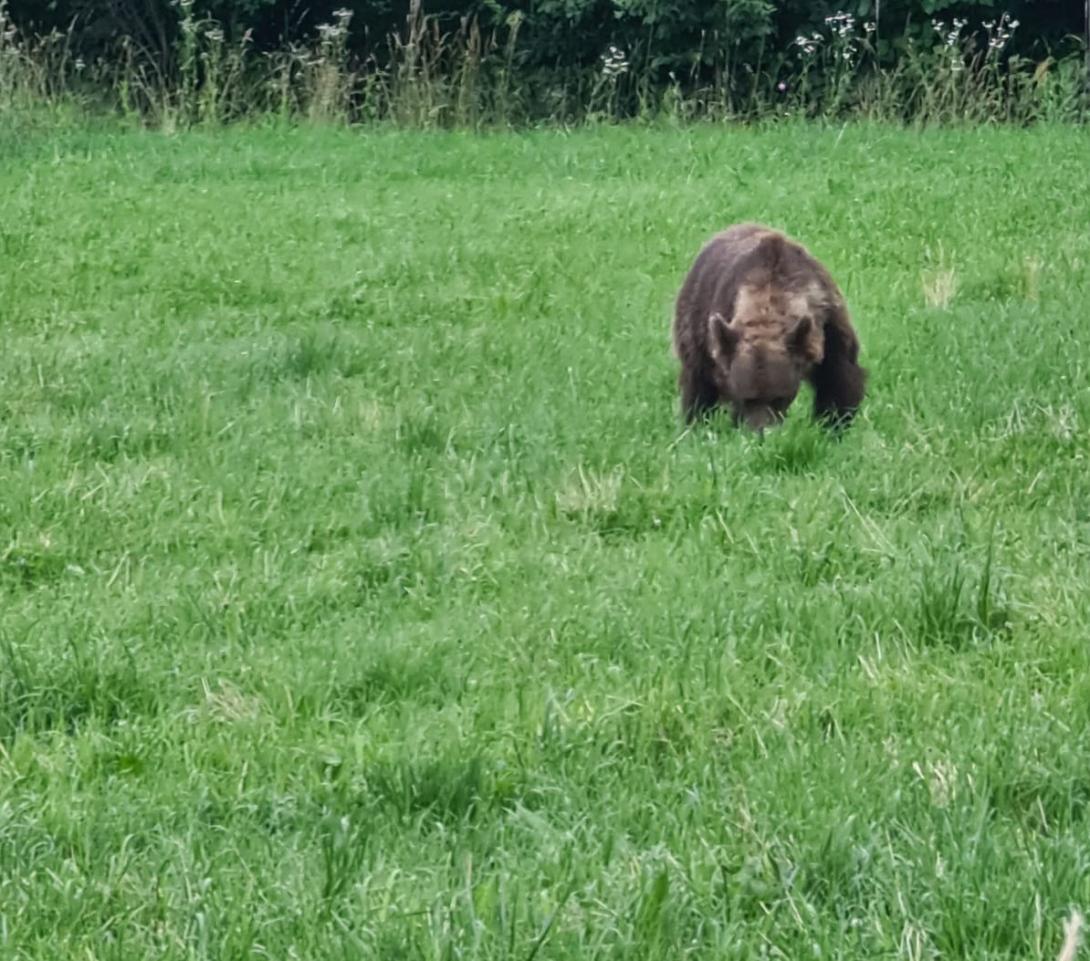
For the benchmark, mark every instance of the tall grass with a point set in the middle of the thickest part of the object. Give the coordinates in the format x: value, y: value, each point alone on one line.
x: 34, y: 70
x: 426, y: 76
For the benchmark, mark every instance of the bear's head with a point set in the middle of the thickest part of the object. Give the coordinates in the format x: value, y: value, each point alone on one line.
x: 762, y: 360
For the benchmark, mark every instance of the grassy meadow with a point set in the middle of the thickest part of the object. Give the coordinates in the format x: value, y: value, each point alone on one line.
x: 362, y: 597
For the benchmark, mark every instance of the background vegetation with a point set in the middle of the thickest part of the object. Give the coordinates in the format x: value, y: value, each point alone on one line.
x: 496, y: 61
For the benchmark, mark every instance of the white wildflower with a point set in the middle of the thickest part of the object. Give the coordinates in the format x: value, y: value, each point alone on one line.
x: 806, y: 45
x: 614, y: 63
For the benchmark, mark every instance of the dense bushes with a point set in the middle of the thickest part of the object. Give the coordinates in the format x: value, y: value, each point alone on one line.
x: 468, y: 59
x: 669, y: 34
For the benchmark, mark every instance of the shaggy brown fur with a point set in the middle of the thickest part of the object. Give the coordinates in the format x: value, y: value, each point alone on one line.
x: 756, y: 316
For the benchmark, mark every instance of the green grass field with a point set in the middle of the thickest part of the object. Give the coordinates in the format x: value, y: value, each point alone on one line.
x: 361, y: 596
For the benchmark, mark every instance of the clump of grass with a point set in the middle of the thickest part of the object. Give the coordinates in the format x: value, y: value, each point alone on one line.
x: 1031, y: 278
x: 939, y: 280
x: 589, y: 492
x: 957, y: 606
x: 1072, y: 936
x: 940, y: 286
x: 797, y: 447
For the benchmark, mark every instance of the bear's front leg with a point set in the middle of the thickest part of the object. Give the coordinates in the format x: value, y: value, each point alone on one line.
x: 839, y: 382
x: 698, y: 393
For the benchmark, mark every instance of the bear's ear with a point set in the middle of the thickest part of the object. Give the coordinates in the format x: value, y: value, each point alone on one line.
x: 798, y: 339
x: 722, y: 336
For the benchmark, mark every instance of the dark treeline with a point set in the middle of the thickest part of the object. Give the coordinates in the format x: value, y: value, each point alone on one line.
x: 657, y: 36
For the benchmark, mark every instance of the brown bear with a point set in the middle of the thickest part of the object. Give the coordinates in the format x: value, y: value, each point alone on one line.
x: 756, y: 316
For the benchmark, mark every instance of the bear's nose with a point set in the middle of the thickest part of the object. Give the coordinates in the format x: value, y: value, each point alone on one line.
x: 761, y: 419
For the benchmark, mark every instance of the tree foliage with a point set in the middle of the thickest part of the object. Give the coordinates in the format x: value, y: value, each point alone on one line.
x: 660, y: 36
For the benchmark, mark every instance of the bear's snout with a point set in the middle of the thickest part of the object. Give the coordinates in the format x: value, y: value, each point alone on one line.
x: 760, y: 418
